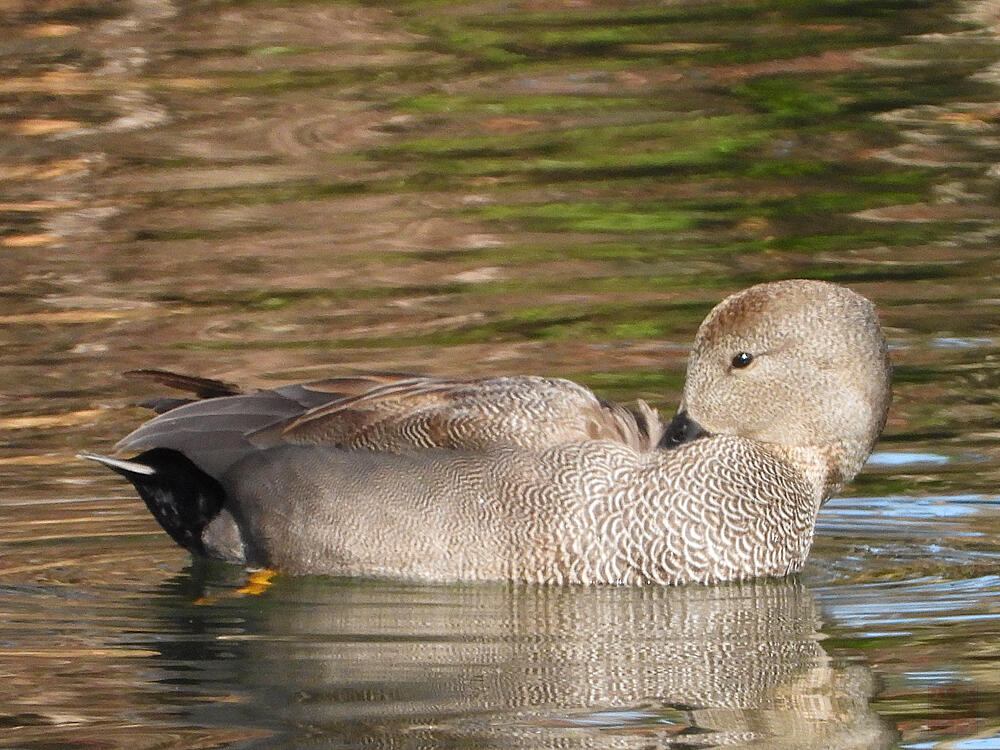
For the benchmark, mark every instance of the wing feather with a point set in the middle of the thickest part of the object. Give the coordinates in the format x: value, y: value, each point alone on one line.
x: 395, y: 413
x: 531, y: 412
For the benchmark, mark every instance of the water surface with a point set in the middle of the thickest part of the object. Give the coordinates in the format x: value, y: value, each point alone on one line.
x: 263, y: 191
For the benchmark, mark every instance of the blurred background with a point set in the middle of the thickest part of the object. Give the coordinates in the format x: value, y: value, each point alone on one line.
x: 266, y: 191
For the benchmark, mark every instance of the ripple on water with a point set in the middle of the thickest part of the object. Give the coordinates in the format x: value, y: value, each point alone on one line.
x: 901, y: 609
x: 885, y: 520
x: 890, y: 458
x: 244, y: 190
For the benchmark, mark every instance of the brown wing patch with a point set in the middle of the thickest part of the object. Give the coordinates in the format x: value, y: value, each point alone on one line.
x: 405, y: 413
x: 356, y: 412
x: 356, y: 385
x: 397, y: 412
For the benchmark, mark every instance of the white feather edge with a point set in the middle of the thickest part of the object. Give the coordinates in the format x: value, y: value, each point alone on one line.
x: 119, y: 463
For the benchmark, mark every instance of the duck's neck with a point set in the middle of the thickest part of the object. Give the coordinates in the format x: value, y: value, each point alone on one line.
x: 826, y: 468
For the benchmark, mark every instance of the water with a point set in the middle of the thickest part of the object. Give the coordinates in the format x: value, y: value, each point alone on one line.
x: 267, y: 191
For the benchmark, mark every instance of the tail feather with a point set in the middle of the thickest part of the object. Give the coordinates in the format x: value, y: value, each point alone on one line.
x: 182, y: 497
x: 200, y: 387
x: 121, y: 465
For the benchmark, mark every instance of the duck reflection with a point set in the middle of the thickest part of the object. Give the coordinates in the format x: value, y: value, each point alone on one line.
x: 329, y: 663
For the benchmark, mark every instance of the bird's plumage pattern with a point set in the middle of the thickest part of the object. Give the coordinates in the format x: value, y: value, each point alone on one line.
x: 537, y: 479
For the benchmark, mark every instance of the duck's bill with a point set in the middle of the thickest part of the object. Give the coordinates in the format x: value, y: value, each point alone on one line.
x: 682, y: 429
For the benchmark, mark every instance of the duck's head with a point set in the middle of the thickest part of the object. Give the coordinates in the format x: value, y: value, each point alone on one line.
x: 799, y: 365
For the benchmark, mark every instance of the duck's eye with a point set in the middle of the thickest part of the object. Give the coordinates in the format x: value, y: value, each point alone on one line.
x: 741, y: 360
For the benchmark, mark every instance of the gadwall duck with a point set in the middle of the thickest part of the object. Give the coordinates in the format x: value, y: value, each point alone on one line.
x: 529, y: 478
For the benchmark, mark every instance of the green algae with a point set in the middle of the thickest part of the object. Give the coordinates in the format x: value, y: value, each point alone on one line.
x: 507, y: 104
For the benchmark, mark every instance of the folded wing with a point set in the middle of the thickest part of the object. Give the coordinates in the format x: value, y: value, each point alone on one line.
x: 393, y: 413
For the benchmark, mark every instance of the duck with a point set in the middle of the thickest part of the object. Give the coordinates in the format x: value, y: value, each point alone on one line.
x: 531, y: 479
